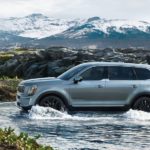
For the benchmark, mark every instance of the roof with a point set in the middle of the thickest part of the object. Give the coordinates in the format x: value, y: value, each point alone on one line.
x: 118, y: 64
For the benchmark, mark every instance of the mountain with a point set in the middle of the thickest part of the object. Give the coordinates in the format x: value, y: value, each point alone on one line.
x: 35, y: 26
x: 37, y: 30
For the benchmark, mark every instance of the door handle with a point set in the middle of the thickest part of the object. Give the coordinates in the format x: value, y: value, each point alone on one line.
x: 100, y: 86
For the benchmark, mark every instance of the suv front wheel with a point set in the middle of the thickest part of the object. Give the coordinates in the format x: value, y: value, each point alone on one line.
x: 142, y: 103
x: 54, y: 102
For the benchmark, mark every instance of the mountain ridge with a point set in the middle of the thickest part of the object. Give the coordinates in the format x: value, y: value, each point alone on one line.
x: 38, y: 30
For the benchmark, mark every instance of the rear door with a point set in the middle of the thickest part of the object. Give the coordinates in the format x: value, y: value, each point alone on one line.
x: 120, y: 85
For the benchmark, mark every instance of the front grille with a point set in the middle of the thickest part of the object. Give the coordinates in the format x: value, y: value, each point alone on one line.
x: 21, y: 88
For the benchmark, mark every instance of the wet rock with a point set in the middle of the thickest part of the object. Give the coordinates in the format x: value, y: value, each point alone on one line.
x: 56, y: 60
x: 59, y: 70
x: 68, y: 60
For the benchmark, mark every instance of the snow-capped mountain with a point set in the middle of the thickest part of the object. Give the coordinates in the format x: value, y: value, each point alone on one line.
x: 106, y: 27
x: 35, y: 26
x: 37, y: 30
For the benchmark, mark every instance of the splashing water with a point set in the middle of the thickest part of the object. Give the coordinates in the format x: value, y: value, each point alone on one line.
x: 38, y: 112
x: 138, y: 115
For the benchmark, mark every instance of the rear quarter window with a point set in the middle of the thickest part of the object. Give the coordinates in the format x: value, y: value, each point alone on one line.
x: 142, y: 73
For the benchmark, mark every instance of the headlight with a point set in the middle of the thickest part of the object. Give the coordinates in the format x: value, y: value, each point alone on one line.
x: 31, y: 90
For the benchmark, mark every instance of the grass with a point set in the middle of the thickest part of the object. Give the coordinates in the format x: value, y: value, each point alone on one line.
x: 5, y: 56
x: 23, y: 51
x: 8, y: 88
x: 10, y: 141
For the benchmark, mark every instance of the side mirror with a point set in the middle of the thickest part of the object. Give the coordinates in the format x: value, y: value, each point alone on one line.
x: 77, y: 79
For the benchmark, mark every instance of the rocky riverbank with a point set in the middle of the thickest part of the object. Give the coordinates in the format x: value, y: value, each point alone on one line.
x: 55, y: 60
x: 26, y: 64
x: 8, y: 88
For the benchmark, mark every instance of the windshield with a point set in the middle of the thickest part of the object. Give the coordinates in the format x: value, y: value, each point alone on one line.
x: 72, y: 72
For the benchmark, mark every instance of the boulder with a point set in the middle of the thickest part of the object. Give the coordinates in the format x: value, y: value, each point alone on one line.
x: 55, y: 60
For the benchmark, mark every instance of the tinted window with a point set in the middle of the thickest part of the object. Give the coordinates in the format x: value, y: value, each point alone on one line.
x: 71, y: 72
x: 121, y: 73
x: 95, y: 73
x: 142, y: 74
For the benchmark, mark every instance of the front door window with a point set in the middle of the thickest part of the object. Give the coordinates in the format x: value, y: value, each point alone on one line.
x: 95, y: 73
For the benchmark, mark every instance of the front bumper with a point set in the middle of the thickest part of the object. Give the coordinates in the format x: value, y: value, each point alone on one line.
x: 23, y: 107
x: 23, y: 102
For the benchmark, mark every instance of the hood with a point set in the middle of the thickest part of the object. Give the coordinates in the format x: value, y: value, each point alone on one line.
x: 40, y: 80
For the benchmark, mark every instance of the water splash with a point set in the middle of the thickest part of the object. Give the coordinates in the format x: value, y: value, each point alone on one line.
x: 137, y: 115
x: 38, y: 112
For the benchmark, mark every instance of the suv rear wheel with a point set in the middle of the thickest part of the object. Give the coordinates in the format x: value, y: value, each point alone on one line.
x: 142, y: 103
x: 54, y: 102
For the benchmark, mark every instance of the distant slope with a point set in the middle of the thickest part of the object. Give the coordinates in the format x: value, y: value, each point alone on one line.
x: 8, y: 40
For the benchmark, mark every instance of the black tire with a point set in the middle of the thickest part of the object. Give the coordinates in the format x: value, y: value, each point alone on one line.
x: 142, y: 103
x: 54, y: 102
x: 26, y: 109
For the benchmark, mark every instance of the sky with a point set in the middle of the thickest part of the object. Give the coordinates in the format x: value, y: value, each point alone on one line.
x: 110, y: 9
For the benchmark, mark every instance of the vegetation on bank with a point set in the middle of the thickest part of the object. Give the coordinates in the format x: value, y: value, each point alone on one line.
x: 7, y: 55
x: 8, y: 88
x: 10, y: 141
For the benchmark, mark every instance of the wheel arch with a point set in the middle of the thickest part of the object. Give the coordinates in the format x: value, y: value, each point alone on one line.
x: 136, y: 97
x: 54, y: 93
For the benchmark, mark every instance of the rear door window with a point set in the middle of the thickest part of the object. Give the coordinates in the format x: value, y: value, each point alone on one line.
x: 121, y: 73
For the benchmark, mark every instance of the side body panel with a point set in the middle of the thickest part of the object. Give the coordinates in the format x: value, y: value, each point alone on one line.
x: 120, y: 91
x: 88, y: 93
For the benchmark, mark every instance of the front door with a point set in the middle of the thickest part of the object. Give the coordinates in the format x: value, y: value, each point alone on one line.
x: 91, y: 90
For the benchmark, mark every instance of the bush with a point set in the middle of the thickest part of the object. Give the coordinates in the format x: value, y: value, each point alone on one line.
x: 9, y: 140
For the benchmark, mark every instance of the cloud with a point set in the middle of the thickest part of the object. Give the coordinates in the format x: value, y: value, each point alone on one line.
x: 113, y: 9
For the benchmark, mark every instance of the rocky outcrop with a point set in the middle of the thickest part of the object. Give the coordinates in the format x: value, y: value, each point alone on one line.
x: 56, y: 60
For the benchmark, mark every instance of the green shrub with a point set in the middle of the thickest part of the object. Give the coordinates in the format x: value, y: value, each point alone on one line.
x: 9, y: 140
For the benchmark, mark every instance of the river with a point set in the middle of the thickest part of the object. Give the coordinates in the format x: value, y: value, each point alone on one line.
x: 82, y: 130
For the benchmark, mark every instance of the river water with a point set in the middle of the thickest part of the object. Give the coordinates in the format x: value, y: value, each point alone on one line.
x: 82, y: 130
